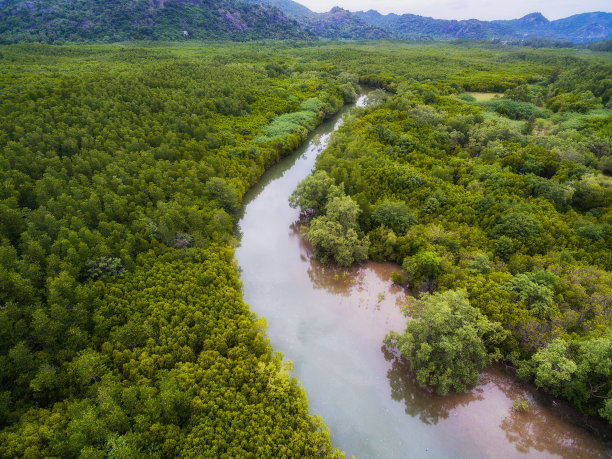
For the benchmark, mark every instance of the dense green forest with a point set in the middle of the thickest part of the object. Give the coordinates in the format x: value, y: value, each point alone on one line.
x: 122, y: 326
x: 504, y: 199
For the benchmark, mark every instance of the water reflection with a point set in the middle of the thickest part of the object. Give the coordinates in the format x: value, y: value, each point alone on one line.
x: 534, y: 430
x: 331, y: 322
x: 424, y: 403
x: 482, y: 418
x: 348, y: 281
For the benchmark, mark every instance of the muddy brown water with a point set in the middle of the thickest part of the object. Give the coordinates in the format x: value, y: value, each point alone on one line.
x: 330, y: 322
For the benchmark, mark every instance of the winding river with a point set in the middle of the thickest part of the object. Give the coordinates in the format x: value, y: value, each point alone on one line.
x: 330, y: 322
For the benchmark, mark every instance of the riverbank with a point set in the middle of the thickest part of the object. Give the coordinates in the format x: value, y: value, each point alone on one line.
x: 330, y: 322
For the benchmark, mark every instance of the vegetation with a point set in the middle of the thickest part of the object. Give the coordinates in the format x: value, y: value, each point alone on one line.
x: 122, y: 326
x: 123, y: 329
x: 64, y: 21
x: 95, y: 21
x: 520, y: 405
x: 509, y: 200
x: 448, y: 341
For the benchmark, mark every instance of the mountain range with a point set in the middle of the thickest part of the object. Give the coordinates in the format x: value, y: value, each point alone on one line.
x: 580, y: 28
x: 56, y: 21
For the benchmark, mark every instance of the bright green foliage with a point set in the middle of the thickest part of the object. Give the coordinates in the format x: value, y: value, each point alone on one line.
x: 480, y: 264
x: 520, y: 405
x: 448, y: 341
x: 344, y: 211
x: 334, y: 234
x: 314, y: 192
x: 332, y: 241
x: 516, y: 110
x: 122, y: 328
x: 142, y: 154
x: 581, y: 371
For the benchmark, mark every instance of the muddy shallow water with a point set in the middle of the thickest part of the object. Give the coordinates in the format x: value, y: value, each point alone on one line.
x: 331, y: 321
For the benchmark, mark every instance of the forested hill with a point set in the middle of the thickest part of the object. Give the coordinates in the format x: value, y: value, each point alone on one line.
x: 53, y: 21
x: 580, y: 28
x: 289, y: 7
x: 338, y: 23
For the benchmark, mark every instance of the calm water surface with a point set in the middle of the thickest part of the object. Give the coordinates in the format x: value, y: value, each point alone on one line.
x: 331, y: 321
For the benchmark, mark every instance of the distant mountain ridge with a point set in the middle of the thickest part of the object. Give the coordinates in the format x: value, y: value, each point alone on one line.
x: 55, y: 21
x: 289, y: 7
x: 579, y: 28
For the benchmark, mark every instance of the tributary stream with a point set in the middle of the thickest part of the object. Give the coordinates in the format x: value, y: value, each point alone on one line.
x: 330, y: 322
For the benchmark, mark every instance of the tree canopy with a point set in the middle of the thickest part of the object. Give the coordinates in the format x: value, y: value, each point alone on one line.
x: 448, y: 341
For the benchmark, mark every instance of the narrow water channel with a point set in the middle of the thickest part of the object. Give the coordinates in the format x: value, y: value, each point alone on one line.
x: 330, y: 322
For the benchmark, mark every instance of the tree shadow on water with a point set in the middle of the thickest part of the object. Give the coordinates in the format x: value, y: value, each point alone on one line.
x: 422, y: 402
x: 335, y: 279
x: 537, y: 430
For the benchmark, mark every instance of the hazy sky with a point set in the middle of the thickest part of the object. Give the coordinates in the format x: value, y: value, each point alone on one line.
x: 465, y: 9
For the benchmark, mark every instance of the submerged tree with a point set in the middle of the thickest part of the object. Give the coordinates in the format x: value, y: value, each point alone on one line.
x: 448, y: 341
x: 314, y: 192
x: 334, y: 235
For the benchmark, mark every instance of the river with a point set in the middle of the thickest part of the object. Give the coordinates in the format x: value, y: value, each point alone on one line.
x: 331, y: 321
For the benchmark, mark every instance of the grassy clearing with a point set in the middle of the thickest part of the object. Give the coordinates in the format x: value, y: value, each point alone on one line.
x: 484, y: 96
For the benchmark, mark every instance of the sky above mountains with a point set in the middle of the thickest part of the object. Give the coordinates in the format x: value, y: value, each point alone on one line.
x: 466, y: 9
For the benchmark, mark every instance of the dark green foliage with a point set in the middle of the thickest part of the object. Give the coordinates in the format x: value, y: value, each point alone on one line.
x: 104, y: 266
x: 423, y: 270
x: 222, y: 194
x: 593, y: 231
x: 394, y: 215
x: 516, y: 110
x: 516, y: 225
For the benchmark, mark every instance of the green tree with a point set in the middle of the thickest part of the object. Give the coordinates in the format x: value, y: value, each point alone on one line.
x: 331, y: 239
x: 423, y: 269
x: 223, y: 194
x: 395, y: 215
x: 535, y: 289
x: 480, y: 264
x: 448, y: 341
x: 314, y: 192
